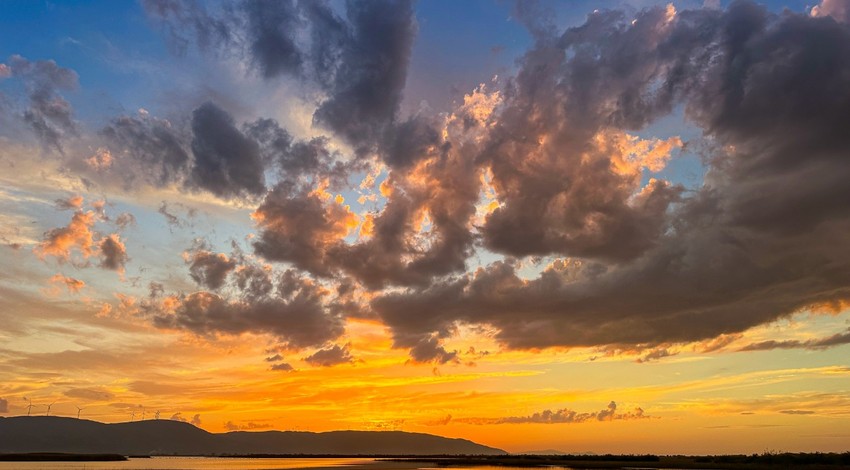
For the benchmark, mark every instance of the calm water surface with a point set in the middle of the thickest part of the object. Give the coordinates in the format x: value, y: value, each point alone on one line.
x: 203, y: 463
x: 215, y: 463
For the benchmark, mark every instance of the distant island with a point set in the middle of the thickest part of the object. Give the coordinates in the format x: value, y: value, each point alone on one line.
x: 51, y: 434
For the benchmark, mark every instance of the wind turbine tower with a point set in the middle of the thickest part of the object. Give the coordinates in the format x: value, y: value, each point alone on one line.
x: 79, y: 410
x: 48, y: 408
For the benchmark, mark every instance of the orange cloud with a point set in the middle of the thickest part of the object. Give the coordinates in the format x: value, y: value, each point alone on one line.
x: 76, y: 236
x: 562, y: 416
x: 73, y: 285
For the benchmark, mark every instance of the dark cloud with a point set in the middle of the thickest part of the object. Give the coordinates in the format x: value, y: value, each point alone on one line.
x: 655, y: 355
x: 330, y: 356
x: 650, y: 264
x: 172, y: 219
x: 563, y: 416
x: 294, y: 311
x: 227, y: 163
x: 408, y: 141
x: 148, y: 150
x: 329, y: 35
x: 297, y: 161
x: 797, y: 412
x: 189, y: 22
x: 426, y: 348
x: 124, y: 220
x: 837, y: 339
x: 634, y: 260
x: 303, y: 226
x: 282, y: 367
x: 559, y: 155
x: 272, y: 28
x: 209, y: 269
x: 360, y: 61
x: 298, y: 226
x: 48, y: 114
x: 367, y: 90
x: 113, y: 253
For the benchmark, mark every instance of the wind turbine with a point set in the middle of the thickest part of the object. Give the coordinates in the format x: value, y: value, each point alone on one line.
x: 29, y: 407
x: 157, y: 414
x: 79, y: 410
x: 143, y: 413
x: 133, y: 416
x: 48, y: 408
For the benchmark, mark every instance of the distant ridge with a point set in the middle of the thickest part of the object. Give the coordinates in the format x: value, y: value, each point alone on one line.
x: 166, y: 437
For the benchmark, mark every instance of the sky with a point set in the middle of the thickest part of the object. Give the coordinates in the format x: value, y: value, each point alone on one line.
x: 614, y: 226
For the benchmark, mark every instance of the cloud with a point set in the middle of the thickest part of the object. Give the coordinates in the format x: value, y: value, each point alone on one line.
x: 296, y: 160
x: 4, y: 405
x: 124, y: 220
x: 73, y: 285
x: 272, y: 29
x: 307, y: 226
x: 196, y: 420
x: 156, y: 388
x: 426, y: 349
x: 562, y: 416
x: 330, y: 356
x: 48, y: 115
x: 439, y: 421
x: 250, y: 425
x: 227, y: 163
x: 282, y: 366
x: 367, y: 89
x: 359, y: 61
x: 76, y: 236
x: 189, y: 22
x: 290, y: 307
x: 113, y: 253
x: 71, y: 202
x: 172, y: 219
x: 651, y: 264
x: 655, y: 355
x: 837, y: 9
x: 145, y: 150
x: 553, y: 166
x: 94, y: 394
x: 209, y: 269
x: 837, y: 339
x: 797, y: 412
x: 300, y: 227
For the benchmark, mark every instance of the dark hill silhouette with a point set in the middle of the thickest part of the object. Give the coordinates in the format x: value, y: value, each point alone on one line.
x: 58, y: 434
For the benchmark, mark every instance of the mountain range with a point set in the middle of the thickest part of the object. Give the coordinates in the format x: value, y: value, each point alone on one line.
x: 166, y: 437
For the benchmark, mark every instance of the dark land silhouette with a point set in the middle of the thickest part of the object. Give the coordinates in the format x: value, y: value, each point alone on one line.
x: 25, y: 434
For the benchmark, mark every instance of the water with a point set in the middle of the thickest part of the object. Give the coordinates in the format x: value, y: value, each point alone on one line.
x: 209, y: 463
x: 218, y: 463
